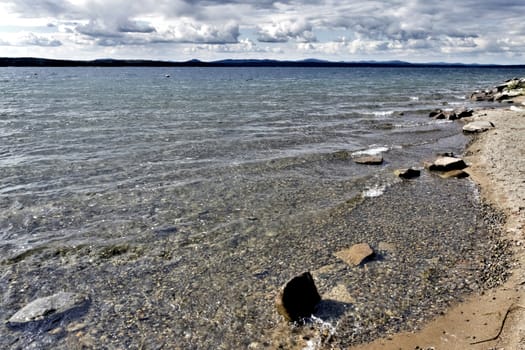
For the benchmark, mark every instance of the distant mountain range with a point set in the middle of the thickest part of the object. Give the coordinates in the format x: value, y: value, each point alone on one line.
x: 44, y: 62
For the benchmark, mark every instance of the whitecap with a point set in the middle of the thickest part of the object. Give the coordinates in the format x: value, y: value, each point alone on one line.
x: 414, y: 98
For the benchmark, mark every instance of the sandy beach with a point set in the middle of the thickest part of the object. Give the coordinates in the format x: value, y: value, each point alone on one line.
x: 495, y: 318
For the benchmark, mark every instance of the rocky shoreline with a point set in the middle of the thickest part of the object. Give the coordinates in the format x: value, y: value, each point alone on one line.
x: 491, y: 319
x: 414, y: 268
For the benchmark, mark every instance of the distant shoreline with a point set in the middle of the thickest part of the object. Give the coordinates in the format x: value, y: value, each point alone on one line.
x: 44, y: 62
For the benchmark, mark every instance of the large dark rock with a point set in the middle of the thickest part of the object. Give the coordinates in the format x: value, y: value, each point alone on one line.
x: 298, y: 298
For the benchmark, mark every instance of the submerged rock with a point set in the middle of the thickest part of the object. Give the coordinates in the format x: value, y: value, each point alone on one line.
x: 407, y: 173
x: 341, y: 155
x: 477, y: 126
x: 458, y: 174
x: 298, y: 298
x: 45, y: 312
x: 356, y: 254
x: 370, y: 159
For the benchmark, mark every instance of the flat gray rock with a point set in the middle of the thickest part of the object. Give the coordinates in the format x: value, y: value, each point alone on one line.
x: 446, y: 164
x: 477, y: 126
x: 48, y: 309
x: 369, y: 159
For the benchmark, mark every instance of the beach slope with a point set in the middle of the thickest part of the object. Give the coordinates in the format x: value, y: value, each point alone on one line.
x: 494, y: 319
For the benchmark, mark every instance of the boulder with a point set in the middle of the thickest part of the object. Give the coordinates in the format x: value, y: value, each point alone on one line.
x: 407, y: 173
x: 477, y: 126
x: 298, y: 298
x: 45, y: 312
x: 369, y: 159
x: 356, y: 254
x: 446, y: 164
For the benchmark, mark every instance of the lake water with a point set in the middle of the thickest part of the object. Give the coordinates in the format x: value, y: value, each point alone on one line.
x: 178, y: 191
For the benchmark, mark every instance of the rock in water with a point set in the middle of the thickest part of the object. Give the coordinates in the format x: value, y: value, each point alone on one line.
x: 356, y: 254
x: 44, y: 312
x: 298, y: 298
x: 371, y: 159
x: 407, y: 173
x: 446, y: 164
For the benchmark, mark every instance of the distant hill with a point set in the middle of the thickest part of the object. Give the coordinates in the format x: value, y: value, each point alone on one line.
x: 44, y: 62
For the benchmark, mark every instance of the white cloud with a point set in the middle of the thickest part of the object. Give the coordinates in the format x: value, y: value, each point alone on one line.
x: 284, y: 30
x: 449, y: 29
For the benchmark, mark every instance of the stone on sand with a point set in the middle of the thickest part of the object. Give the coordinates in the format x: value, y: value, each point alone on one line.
x: 356, y: 254
x: 477, y: 126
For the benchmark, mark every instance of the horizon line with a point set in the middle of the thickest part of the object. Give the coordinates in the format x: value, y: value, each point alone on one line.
x: 230, y: 62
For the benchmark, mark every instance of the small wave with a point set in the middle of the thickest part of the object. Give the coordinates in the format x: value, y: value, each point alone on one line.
x: 382, y: 113
x: 414, y: 98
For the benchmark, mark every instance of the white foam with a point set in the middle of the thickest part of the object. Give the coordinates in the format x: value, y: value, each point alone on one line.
x: 322, y: 326
x: 414, y: 98
x: 372, y: 151
x: 375, y: 191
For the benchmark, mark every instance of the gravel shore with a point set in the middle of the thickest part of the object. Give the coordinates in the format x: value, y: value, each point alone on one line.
x: 492, y: 319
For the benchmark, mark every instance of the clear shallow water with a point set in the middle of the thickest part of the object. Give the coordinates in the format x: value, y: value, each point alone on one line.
x: 118, y: 177
x: 71, y: 133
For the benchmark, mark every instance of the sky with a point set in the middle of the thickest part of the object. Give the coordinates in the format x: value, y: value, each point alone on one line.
x: 466, y: 31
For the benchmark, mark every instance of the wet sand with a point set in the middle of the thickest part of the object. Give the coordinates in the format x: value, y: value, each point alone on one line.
x: 493, y: 319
